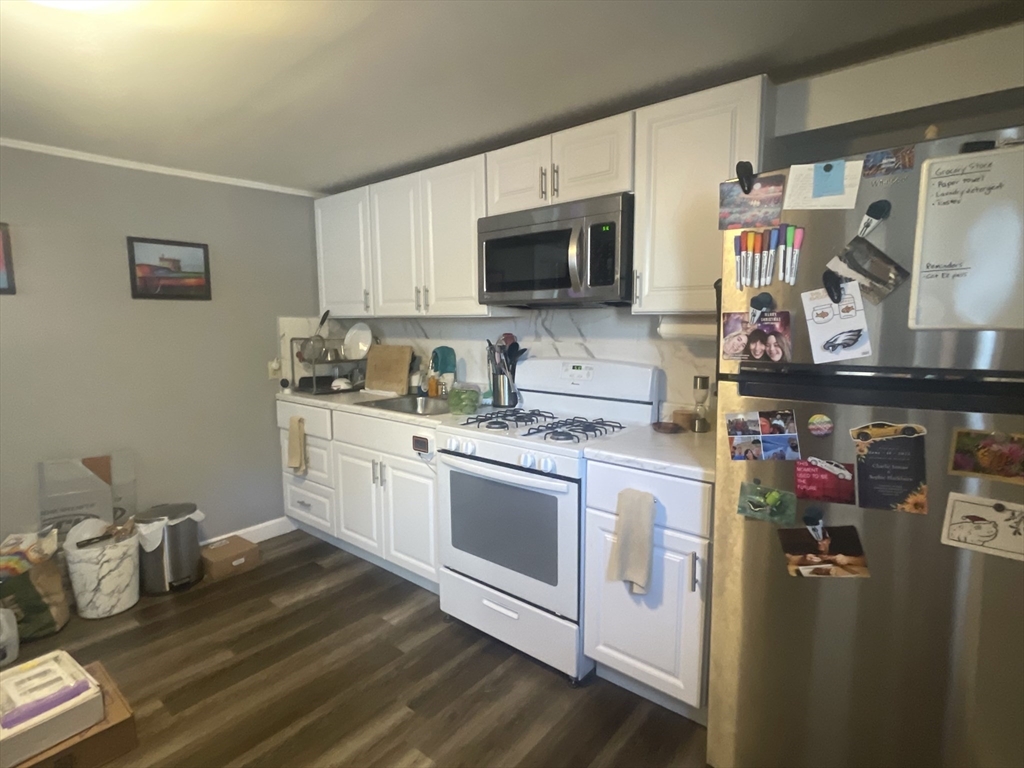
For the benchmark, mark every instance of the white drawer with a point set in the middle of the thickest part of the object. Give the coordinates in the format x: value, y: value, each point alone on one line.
x: 385, y: 435
x: 680, y: 505
x: 544, y: 636
x: 318, y: 420
x: 318, y: 459
x: 308, y: 502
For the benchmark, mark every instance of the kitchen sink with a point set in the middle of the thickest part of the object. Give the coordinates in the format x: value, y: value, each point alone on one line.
x: 422, y: 406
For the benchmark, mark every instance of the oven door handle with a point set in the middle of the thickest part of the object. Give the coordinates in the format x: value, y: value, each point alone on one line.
x: 521, y: 479
x: 574, y: 257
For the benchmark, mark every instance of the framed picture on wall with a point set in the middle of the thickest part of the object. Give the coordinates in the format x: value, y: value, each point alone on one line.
x: 168, y: 269
x: 6, y: 263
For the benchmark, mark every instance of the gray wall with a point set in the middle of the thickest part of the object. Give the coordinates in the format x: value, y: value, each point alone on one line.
x: 85, y: 369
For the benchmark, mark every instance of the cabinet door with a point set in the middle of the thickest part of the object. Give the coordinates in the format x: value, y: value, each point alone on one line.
x: 357, y: 497
x: 410, y: 515
x: 394, y: 213
x: 517, y: 176
x: 684, y: 149
x: 343, y: 253
x: 593, y: 159
x: 452, y: 198
x: 657, y: 638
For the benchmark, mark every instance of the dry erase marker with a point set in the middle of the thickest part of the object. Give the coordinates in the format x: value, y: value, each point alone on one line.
x: 750, y: 258
x: 773, y: 243
x: 782, y: 251
x: 762, y: 238
x: 757, y: 260
x: 794, y: 263
x: 739, y: 266
x: 790, y: 256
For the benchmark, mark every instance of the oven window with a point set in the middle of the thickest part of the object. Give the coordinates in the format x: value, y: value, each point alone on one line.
x: 515, y: 528
x: 534, y: 262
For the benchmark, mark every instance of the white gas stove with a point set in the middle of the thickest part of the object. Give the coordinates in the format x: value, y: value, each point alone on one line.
x: 566, y: 404
x: 510, y: 490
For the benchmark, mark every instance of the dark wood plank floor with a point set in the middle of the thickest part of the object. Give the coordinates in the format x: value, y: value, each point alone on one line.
x: 318, y: 658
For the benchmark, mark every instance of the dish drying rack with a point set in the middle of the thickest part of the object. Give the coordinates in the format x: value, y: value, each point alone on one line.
x: 323, y: 371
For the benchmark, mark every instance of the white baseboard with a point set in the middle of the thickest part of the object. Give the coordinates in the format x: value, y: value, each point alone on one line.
x: 261, y: 531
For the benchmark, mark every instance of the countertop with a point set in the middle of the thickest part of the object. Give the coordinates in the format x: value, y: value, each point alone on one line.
x: 350, y: 402
x: 686, y: 454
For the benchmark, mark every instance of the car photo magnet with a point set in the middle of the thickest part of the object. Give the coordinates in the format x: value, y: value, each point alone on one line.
x: 824, y: 480
x: 990, y: 526
x: 836, y: 331
x: 891, y: 467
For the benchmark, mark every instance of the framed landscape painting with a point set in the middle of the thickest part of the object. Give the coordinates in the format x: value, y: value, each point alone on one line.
x: 6, y: 264
x: 168, y: 269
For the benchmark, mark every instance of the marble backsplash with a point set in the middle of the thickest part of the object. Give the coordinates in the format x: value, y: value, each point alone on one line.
x: 608, y: 333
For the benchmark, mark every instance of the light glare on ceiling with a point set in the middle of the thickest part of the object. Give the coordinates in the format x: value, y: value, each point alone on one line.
x: 89, y: 6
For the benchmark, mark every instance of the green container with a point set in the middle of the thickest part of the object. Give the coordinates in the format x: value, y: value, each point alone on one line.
x: 462, y: 400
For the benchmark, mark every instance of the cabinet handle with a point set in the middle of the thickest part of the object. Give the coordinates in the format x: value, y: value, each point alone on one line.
x: 301, y: 503
x: 417, y: 298
x: 543, y: 183
x: 426, y: 298
x: 636, y: 287
x: 375, y: 473
x: 366, y: 300
x: 693, y: 572
x: 382, y: 468
x: 554, y: 180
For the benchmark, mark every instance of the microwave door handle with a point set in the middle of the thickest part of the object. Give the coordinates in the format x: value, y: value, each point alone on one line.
x: 574, y: 258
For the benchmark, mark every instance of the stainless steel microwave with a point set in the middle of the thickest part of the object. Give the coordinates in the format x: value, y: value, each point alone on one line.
x: 572, y: 254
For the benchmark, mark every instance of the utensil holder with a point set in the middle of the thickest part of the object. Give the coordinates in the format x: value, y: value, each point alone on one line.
x: 502, y: 391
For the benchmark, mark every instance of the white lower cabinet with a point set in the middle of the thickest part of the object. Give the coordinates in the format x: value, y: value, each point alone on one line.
x: 386, y: 505
x: 657, y: 638
x: 410, y: 512
x: 357, y: 497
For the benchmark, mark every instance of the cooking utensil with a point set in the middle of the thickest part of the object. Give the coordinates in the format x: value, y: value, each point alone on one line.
x: 508, y: 339
x: 313, y: 348
x: 512, y: 354
x: 333, y: 356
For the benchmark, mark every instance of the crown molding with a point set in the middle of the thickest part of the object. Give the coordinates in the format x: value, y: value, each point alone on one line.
x: 88, y: 157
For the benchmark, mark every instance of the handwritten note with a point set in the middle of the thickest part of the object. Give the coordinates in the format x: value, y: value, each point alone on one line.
x: 969, y: 249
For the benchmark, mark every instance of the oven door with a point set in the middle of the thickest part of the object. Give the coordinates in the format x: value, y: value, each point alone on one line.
x: 513, y: 530
x: 533, y: 264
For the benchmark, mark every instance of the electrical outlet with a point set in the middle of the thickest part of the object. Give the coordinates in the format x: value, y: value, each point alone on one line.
x: 274, y: 368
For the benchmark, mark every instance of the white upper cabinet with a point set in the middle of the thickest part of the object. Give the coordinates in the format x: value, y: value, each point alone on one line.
x: 394, y: 215
x: 517, y: 176
x: 684, y: 149
x: 452, y: 198
x: 593, y: 159
x: 343, y: 253
x: 586, y: 161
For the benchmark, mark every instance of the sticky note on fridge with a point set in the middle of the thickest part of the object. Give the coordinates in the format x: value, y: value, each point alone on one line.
x: 829, y: 178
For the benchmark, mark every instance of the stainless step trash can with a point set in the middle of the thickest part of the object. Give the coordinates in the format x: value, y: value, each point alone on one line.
x: 177, y: 562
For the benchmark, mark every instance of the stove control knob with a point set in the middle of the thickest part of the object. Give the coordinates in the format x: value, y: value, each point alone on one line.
x: 469, y: 448
x: 547, y: 465
x: 527, y: 461
x: 452, y: 444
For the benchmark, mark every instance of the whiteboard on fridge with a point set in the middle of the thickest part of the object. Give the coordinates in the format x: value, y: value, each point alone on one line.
x: 968, y: 269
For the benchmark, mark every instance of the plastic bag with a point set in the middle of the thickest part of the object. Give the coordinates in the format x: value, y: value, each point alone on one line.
x: 31, y: 585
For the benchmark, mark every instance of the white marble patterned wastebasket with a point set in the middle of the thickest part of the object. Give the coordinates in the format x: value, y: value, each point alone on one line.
x: 104, y: 576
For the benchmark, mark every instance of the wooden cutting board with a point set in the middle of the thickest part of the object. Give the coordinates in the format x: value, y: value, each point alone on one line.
x: 387, y: 368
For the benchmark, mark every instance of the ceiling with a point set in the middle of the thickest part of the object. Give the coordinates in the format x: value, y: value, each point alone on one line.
x: 322, y: 95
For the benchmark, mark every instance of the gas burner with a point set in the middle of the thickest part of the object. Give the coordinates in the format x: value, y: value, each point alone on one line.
x: 574, y: 428
x: 511, y: 417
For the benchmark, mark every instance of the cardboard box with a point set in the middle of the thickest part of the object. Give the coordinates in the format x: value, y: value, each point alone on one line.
x: 33, y: 681
x: 230, y: 556
x: 111, y: 737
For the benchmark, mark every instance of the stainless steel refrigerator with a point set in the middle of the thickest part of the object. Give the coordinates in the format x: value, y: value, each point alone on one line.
x: 921, y: 663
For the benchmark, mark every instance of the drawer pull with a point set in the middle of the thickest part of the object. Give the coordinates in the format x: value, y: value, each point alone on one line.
x: 693, y: 572
x: 500, y: 609
x: 301, y: 503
